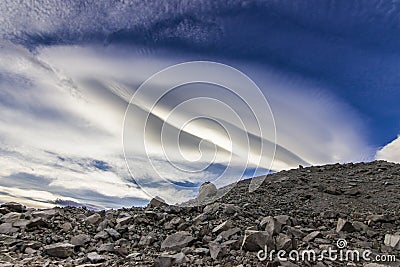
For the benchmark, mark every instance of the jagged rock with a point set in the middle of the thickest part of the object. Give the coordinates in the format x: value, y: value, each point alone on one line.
x: 206, y: 191
x: 134, y: 255
x: 146, y: 240
x: 200, y: 218
x: 392, y: 241
x: 380, y: 218
x: 102, y: 225
x: 113, y: 233
x: 284, y: 242
x: 163, y: 261
x: 30, y: 251
x: 80, y: 240
x: 36, y: 222
x: 177, y: 241
x: 124, y: 220
x: 7, y: 228
x: 344, y: 226
x: 4, y: 211
x: 179, y: 258
x: 216, y: 250
x: 66, y: 227
x: 295, y: 232
x: 93, y: 219
x: 231, y: 209
x: 228, y: 233
x: 108, y: 247
x: 284, y: 219
x: 256, y: 240
x: 45, y: 214
x: 222, y: 227
x: 311, y: 236
x: 331, y: 190
x: 360, y: 226
x: 93, y: 257
x: 59, y: 250
x: 329, y: 214
x: 21, y: 223
x: 201, y: 251
x: 157, y: 202
x: 172, y: 224
x: 34, y: 245
x: 271, y: 225
x: 211, y: 208
x: 169, y: 260
x: 101, y: 235
x: 10, y: 217
x: 14, y: 206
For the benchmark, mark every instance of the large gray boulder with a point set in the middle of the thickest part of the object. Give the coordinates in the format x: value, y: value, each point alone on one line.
x: 206, y: 191
x: 157, y: 202
x: 177, y: 241
x: 257, y: 240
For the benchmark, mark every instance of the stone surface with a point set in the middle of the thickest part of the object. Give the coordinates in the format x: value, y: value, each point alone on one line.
x: 271, y: 225
x: 256, y: 240
x: 93, y: 257
x: 80, y: 240
x: 344, y: 226
x: 226, y: 225
x: 284, y: 242
x: 216, y: 250
x: 206, y: 191
x: 10, y: 217
x: 14, y: 206
x: 59, y: 250
x: 7, y: 228
x: 392, y: 241
x: 93, y: 219
x: 311, y: 236
x: 177, y: 241
x: 157, y: 202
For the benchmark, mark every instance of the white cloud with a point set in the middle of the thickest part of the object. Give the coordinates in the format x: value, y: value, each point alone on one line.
x: 390, y: 152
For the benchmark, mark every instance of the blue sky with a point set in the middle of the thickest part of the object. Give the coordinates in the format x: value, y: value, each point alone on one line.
x: 329, y: 70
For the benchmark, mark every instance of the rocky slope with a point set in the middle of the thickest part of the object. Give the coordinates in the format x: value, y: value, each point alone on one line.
x: 303, y: 209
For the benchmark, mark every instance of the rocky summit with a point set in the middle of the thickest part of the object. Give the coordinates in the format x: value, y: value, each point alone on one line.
x: 351, y: 207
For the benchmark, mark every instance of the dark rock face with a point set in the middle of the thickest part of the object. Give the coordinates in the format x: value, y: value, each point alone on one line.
x: 157, y: 202
x: 59, y: 250
x: 13, y: 206
x: 177, y: 241
x: 306, y: 208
